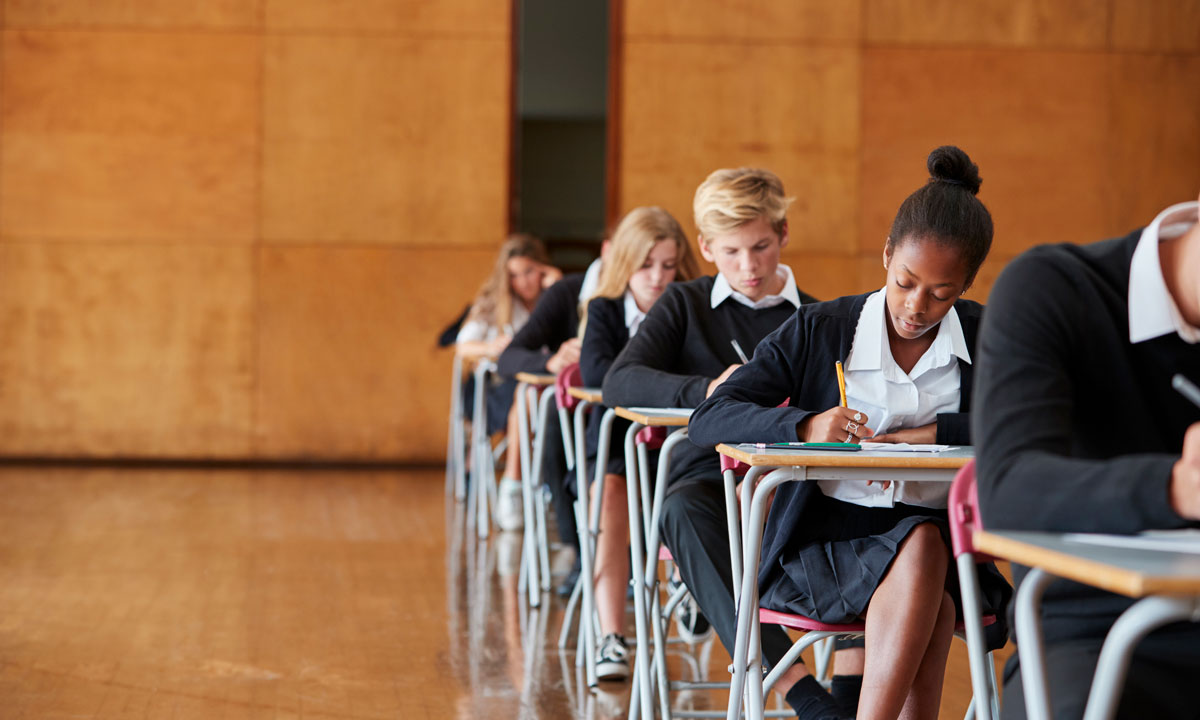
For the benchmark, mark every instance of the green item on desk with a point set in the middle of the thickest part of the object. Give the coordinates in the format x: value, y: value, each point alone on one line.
x: 817, y: 445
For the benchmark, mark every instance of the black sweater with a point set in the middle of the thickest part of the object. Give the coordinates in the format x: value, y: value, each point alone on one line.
x: 554, y: 320
x: 1078, y: 428
x: 797, y: 362
x: 603, y: 340
x: 682, y: 346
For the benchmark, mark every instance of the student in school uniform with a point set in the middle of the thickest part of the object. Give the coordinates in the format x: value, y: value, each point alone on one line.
x: 648, y: 251
x: 846, y: 551
x: 546, y: 344
x: 501, y: 307
x: 684, y: 349
x: 1079, y: 430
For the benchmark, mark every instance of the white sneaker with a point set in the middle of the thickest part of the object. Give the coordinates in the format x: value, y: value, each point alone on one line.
x: 510, y: 509
x: 612, y: 658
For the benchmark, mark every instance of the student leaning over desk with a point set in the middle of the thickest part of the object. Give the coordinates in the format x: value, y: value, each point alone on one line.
x: 648, y: 251
x: 1080, y: 431
x: 683, y: 350
x: 843, y: 551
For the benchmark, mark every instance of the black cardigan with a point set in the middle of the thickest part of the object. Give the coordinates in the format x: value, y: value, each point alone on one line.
x: 682, y: 346
x: 797, y: 362
x: 554, y: 320
x: 603, y: 339
x: 1078, y: 428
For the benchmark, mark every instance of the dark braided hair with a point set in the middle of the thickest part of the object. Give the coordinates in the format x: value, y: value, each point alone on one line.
x: 946, y: 210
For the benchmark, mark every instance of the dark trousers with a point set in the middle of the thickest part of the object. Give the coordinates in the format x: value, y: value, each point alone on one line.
x: 694, y: 528
x: 554, y: 473
x: 1161, y: 683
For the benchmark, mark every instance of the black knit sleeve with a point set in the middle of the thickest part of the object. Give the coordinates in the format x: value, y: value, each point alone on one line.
x: 1032, y: 336
x: 744, y: 408
x: 603, y: 339
x: 549, y: 325
x: 641, y: 375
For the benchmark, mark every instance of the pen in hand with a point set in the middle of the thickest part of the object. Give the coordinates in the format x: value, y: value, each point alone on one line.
x: 1186, y: 388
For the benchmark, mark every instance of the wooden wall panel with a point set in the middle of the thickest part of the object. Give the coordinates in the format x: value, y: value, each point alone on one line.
x: 388, y: 140
x: 689, y: 108
x: 122, y: 136
x: 1020, y: 23
x: 210, y: 14
x: 747, y: 20
x: 1033, y: 121
x: 1156, y: 25
x: 1155, y: 125
x: 125, y: 350
x: 411, y: 17
x: 347, y: 363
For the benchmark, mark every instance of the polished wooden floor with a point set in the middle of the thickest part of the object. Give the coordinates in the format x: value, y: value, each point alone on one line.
x: 348, y: 595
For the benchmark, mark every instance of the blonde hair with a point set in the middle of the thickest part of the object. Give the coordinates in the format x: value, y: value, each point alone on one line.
x: 731, y: 197
x: 493, y: 303
x: 635, y: 237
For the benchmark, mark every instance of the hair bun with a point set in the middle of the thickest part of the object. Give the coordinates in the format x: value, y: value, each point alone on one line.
x: 951, y: 165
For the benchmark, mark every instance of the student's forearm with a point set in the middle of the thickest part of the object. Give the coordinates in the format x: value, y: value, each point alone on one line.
x: 722, y: 419
x: 516, y: 359
x: 1038, y: 490
x: 633, y: 385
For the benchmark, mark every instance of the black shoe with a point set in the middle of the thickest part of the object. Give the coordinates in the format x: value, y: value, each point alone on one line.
x: 690, y: 623
x: 567, y: 586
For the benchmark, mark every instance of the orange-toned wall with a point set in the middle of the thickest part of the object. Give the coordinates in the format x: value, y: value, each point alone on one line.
x: 1083, y: 115
x: 232, y: 228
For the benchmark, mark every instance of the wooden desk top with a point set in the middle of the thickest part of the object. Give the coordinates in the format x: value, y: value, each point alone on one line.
x: 751, y: 455
x: 591, y: 395
x: 536, y: 379
x: 656, y: 417
x: 1134, y: 572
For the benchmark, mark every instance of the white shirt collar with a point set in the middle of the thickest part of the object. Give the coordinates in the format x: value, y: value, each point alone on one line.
x: 722, y: 291
x: 1152, y: 311
x: 633, y: 316
x: 591, y: 280
x: 870, y: 337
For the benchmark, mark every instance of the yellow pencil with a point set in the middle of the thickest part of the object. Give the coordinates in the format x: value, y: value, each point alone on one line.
x: 841, y: 383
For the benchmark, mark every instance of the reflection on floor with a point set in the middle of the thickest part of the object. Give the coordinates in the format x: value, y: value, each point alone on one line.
x: 352, y: 595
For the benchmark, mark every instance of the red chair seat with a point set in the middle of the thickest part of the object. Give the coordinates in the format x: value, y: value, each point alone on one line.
x: 800, y: 622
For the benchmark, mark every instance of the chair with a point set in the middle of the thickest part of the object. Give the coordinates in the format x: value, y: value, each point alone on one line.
x: 963, y: 517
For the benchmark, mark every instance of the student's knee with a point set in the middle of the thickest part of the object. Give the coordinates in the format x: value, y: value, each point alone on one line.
x: 925, y: 541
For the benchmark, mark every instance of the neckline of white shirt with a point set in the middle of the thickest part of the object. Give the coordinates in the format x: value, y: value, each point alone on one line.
x: 867, y: 350
x: 633, y: 315
x: 722, y: 291
x: 1152, y: 311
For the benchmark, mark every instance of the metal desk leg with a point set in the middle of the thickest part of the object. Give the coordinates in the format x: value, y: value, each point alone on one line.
x: 637, y: 560
x: 1129, y: 629
x: 1029, y: 643
x: 529, y: 541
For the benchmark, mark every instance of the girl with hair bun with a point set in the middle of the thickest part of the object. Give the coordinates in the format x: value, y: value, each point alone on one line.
x: 878, y: 552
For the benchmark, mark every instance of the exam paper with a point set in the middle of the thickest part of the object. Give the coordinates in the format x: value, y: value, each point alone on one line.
x: 1185, y: 540
x: 906, y: 447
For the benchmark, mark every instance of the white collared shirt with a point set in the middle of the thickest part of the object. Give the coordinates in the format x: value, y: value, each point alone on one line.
x: 893, y: 399
x: 591, y: 280
x: 1152, y: 311
x: 475, y: 330
x: 633, y: 316
x: 722, y: 291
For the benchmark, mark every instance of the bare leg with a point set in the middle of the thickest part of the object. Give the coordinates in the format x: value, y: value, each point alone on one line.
x: 924, y: 700
x: 902, y: 618
x: 612, y: 555
x: 849, y: 661
x: 512, y: 460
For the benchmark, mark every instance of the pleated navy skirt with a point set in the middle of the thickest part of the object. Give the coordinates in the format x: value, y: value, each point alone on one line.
x: 840, y: 552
